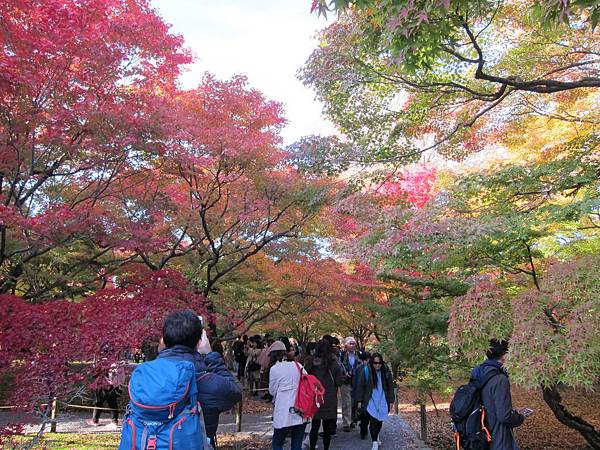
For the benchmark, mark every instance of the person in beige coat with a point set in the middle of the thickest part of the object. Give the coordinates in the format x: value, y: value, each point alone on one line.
x: 284, y: 377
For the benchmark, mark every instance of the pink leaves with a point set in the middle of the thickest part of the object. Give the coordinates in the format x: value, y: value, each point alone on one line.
x: 313, y: 6
x: 413, y: 186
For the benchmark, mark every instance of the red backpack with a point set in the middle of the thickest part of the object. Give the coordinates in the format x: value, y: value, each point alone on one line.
x: 311, y: 395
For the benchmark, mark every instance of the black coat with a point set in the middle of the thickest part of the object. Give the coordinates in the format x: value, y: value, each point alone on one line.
x: 364, y: 385
x: 331, y: 378
x: 496, y: 398
x: 347, y: 367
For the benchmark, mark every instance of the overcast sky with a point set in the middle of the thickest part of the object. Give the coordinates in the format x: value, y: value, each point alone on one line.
x: 267, y: 40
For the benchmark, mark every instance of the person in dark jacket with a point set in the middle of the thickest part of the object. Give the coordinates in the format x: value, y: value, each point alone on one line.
x: 240, y: 349
x: 350, y: 360
x: 496, y: 398
x: 375, y: 397
x: 218, y: 390
x: 365, y: 357
x: 325, y: 367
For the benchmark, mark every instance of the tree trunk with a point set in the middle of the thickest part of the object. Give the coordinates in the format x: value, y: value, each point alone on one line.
x: 212, y: 323
x: 553, y: 399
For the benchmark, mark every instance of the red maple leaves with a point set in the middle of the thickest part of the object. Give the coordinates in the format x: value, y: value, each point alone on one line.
x: 53, y: 348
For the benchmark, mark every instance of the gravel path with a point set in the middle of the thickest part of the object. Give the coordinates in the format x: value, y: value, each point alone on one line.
x: 395, y: 435
x: 74, y: 422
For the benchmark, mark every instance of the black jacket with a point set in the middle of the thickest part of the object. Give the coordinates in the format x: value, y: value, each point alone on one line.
x: 347, y: 367
x: 496, y: 398
x: 218, y: 390
x: 331, y: 378
x: 364, y: 385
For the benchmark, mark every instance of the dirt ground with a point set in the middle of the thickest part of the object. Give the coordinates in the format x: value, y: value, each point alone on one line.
x: 540, y: 431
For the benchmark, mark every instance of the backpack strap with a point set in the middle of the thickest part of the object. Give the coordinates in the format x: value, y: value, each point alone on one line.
x: 300, y: 368
x: 144, y: 439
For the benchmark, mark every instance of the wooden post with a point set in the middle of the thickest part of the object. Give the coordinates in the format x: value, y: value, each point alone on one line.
x: 397, y: 402
x: 423, y: 422
x: 238, y: 417
x: 53, y: 412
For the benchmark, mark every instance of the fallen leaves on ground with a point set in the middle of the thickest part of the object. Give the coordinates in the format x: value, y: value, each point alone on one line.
x: 540, y: 431
x: 253, y: 405
x: 242, y: 442
x: 100, y: 441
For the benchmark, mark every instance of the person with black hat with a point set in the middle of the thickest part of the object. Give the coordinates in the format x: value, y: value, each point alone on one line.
x: 496, y: 398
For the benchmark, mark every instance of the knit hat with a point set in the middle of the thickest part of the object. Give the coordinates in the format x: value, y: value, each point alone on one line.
x: 497, y: 349
x: 277, y: 345
x: 349, y: 340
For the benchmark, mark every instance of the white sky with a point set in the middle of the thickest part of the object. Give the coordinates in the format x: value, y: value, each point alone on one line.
x: 267, y: 40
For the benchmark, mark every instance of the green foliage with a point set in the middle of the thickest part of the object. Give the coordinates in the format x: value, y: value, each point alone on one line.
x: 398, y: 84
x: 415, y: 32
x: 556, y: 338
x: 482, y: 313
x: 417, y: 325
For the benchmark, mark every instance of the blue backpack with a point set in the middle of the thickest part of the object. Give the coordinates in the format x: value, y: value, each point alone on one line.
x: 163, y: 412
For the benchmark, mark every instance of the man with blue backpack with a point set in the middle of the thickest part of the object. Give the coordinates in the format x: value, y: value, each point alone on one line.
x: 176, y: 399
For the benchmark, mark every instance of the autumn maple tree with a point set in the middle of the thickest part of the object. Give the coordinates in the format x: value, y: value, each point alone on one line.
x: 124, y: 196
x: 481, y: 255
x: 401, y: 78
x: 80, y: 99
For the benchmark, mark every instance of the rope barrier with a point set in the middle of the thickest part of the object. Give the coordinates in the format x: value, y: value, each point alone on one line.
x: 70, y: 406
x: 54, y: 420
x: 90, y: 407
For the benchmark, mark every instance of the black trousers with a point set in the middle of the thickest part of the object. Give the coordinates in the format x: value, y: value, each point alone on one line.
x: 328, y: 430
x: 372, y: 423
x: 241, y: 360
x: 109, y: 396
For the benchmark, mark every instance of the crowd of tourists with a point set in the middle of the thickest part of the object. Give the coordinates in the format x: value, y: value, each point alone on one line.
x: 176, y: 399
x: 361, y: 381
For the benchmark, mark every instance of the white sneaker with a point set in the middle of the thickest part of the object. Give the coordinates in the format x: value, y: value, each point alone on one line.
x: 379, y: 443
x: 375, y: 445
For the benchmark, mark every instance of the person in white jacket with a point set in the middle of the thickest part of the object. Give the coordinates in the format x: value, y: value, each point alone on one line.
x: 284, y: 377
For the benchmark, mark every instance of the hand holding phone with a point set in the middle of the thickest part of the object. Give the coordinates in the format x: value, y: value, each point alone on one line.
x: 526, y: 412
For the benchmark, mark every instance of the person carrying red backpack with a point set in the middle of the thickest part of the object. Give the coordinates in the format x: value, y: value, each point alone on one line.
x: 284, y: 378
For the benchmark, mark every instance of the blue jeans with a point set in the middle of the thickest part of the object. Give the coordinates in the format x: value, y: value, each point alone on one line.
x: 297, y: 432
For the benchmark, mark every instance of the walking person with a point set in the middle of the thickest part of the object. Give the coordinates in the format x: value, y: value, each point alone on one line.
x: 252, y: 366
x: 349, y: 359
x: 240, y: 350
x: 264, y: 361
x: 325, y: 367
x: 184, y: 339
x: 108, y: 391
x: 375, y: 394
x: 365, y: 358
x: 496, y: 399
x: 284, y: 378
